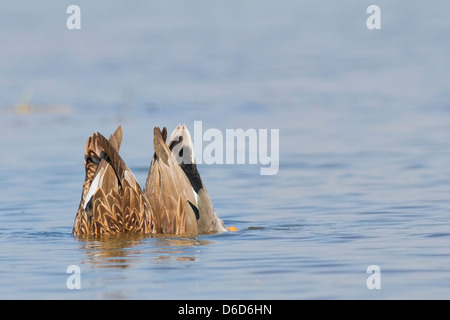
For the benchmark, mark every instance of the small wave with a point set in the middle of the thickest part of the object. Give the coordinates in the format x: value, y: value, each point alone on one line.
x: 438, y: 235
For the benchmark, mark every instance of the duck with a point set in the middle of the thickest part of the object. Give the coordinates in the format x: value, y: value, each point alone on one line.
x: 182, y: 148
x: 174, y: 174
x: 112, y: 200
x: 174, y: 200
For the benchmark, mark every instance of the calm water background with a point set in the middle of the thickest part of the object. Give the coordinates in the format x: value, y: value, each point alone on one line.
x: 364, y: 120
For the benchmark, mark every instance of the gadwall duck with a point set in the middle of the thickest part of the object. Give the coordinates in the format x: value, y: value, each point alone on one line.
x: 112, y: 201
x: 174, y: 201
x: 180, y: 143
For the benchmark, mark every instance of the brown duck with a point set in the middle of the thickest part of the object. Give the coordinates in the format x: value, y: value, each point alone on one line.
x: 174, y: 201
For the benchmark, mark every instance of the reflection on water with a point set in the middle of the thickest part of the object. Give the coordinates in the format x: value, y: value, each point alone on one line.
x: 121, y: 251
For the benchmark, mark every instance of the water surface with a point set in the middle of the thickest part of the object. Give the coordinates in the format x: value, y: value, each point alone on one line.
x: 364, y: 120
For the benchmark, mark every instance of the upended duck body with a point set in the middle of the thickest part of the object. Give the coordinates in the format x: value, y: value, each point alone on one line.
x: 174, y: 200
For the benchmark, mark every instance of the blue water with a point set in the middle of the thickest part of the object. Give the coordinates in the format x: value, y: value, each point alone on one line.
x: 364, y: 120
